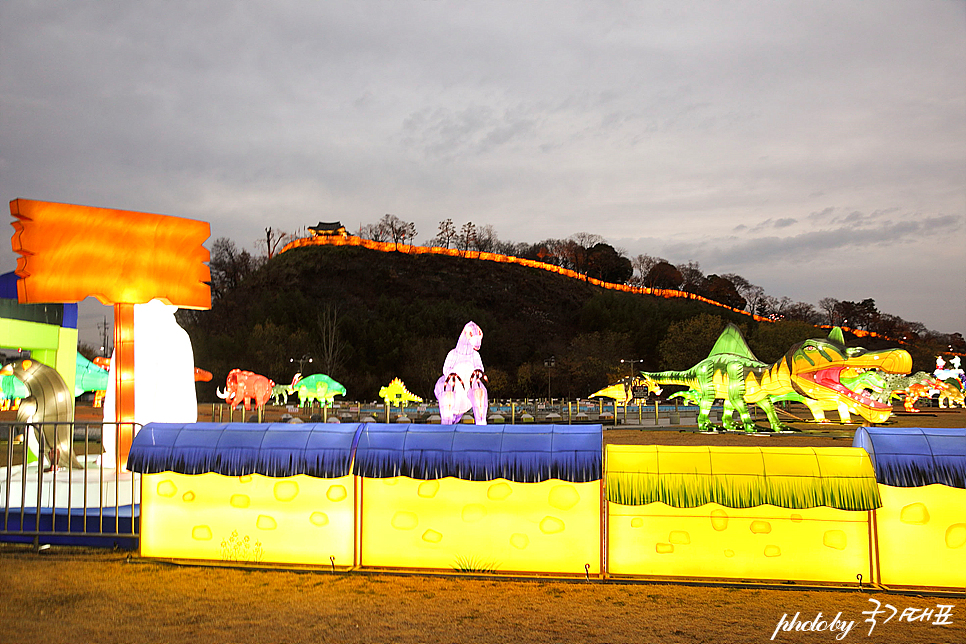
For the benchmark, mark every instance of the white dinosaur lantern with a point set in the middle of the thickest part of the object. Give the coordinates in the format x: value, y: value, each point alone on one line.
x: 163, y: 369
x: 463, y: 384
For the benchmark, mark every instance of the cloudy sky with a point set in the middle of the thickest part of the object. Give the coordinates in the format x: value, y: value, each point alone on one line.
x: 816, y: 148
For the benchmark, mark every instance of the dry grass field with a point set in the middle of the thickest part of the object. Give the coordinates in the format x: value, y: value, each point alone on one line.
x: 84, y: 595
x: 76, y: 595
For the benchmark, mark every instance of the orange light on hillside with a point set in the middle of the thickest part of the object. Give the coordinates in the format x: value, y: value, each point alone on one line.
x: 388, y: 247
x: 69, y: 252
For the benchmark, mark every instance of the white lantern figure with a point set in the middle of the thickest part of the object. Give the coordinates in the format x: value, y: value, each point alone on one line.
x: 463, y: 384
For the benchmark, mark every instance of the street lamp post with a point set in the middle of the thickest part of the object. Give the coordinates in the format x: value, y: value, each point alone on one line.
x: 633, y: 362
x: 548, y: 363
x: 631, y: 385
x: 305, y: 358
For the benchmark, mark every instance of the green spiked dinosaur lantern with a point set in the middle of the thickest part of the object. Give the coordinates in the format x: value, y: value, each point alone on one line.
x: 811, y: 369
x: 318, y: 387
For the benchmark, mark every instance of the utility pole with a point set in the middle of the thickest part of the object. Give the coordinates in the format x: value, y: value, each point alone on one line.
x: 104, y: 328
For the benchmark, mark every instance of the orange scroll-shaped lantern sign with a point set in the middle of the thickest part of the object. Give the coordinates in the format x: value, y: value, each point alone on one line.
x: 70, y: 252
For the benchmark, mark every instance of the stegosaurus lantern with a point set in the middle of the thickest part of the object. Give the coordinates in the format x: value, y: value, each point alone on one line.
x: 395, y: 393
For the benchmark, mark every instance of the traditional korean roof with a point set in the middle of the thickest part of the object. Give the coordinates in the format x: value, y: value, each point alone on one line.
x: 741, y: 477
x: 915, y: 456
x: 328, y: 228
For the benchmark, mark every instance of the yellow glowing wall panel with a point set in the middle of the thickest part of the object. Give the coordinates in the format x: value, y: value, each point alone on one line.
x: 69, y: 252
x: 922, y: 536
x: 248, y: 519
x: 769, y: 543
x: 491, y: 526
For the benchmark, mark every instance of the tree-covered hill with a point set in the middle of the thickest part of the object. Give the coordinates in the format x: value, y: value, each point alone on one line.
x: 365, y: 316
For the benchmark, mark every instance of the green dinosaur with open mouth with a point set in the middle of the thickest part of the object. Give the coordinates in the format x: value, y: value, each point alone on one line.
x: 810, y: 369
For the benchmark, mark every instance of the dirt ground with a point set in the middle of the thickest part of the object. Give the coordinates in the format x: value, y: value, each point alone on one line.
x: 85, y: 595
x: 76, y: 595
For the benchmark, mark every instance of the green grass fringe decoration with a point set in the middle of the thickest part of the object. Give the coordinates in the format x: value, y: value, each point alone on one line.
x: 743, y: 490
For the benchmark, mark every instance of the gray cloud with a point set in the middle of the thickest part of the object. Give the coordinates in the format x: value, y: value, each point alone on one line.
x: 700, y: 130
x: 835, y: 241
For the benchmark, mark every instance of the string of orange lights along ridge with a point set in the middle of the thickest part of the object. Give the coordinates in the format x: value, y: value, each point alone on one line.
x: 390, y: 247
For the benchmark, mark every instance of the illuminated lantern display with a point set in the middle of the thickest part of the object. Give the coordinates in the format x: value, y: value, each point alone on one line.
x: 621, y: 391
x: 740, y: 512
x: 921, y: 535
x: 463, y: 384
x: 317, y: 387
x: 950, y: 393
x: 810, y: 369
x: 90, y: 377
x: 538, y: 499
x: 416, y: 496
x: 886, y: 386
x: 12, y: 391
x: 954, y: 371
x: 512, y: 498
x: 48, y: 331
x: 245, y: 387
x: 395, y: 393
x: 916, y: 391
x: 247, y: 493
x: 49, y: 401
x: 164, y: 369
x: 69, y: 252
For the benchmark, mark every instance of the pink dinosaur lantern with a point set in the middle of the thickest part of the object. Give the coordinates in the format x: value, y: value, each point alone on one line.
x: 463, y: 384
x: 245, y: 386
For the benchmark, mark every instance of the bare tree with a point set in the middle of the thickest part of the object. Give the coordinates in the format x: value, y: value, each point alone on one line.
x: 274, y: 239
x: 755, y: 295
x: 550, y: 251
x: 332, y: 348
x: 228, y: 266
x: 776, y: 307
x: 486, y: 239
x: 693, y: 277
x: 829, y: 306
x: 374, y: 232
x: 742, y: 285
x: 642, y: 266
x: 586, y: 240
x: 389, y: 229
x: 467, y: 237
x: 396, y: 229
x: 577, y: 249
x: 513, y: 249
x: 446, y: 234
x: 801, y: 311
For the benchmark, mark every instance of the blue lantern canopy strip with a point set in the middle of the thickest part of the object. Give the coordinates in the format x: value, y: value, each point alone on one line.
x: 915, y: 456
x: 238, y: 449
x: 525, y: 454
x: 469, y: 452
